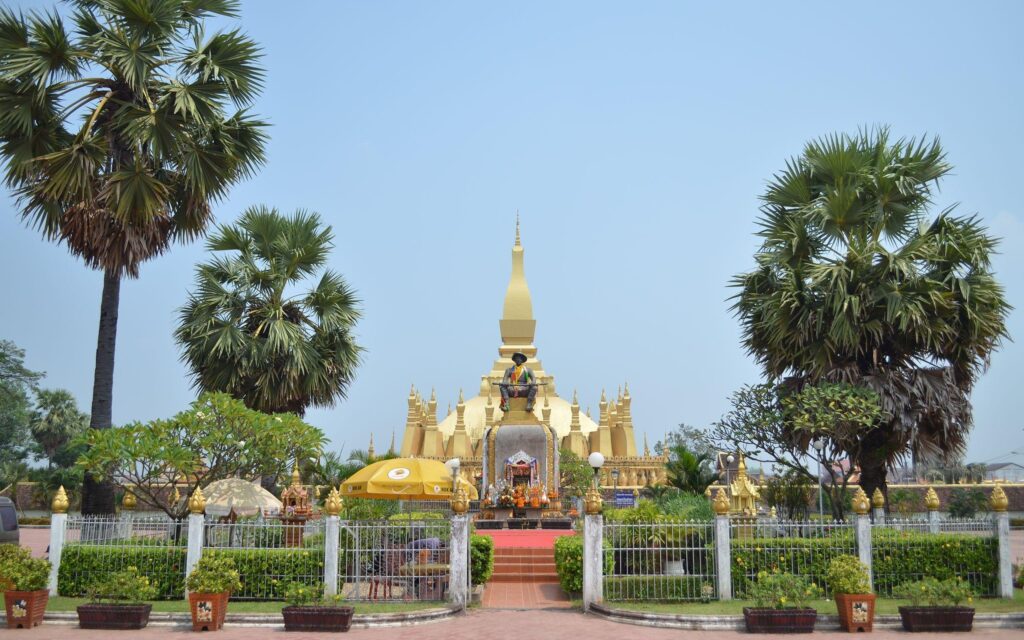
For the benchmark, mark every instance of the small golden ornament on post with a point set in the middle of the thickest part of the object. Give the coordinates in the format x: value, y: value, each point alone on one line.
x: 332, y: 506
x: 460, y: 501
x: 861, y: 505
x: 175, y: 497
x: 60, y: 501
x: 773, y: 513
x: 592, y: 503
x: 998, y: 499
x: 931, y: 499
x: 128, y: 501
x: 721, y: 502
x: 197, y: 503
x: 878, y: 499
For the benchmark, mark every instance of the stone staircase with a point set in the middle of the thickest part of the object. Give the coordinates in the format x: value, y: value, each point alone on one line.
x: 524, y: 564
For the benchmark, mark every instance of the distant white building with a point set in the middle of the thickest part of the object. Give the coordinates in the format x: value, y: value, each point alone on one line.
x: 1005, y: 471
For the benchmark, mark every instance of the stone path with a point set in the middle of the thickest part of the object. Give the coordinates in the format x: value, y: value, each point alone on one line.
x: 484, y: 623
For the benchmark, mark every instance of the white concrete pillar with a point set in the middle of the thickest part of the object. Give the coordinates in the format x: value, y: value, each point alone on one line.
x: 593, y: 560
x: 934, y: 517
x: 1005, y: 562
x: 58, y: 532
x: 196, y: 529
x: 879, y: 515
x: 863, y: 532
x: 332, y: 531
x: 458, y: 561
x: 723, y: 557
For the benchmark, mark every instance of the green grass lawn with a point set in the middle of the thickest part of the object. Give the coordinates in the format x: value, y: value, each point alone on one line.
x: 883, y: 606
x: 61, y: 603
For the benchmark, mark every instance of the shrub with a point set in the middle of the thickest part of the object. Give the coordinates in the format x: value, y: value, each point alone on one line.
x: 966, y: 503
x: 297, y: 594
x: 657, y: 588
x: 214, y: 573
x: 19, y: 571
x: 569, y: 562
x: 481, y: 558
x: 898, y: 556
x: 847, y: 574
x: 936, y: 593
x: 782, y: 591
x: 81, y: 565
x: 265, y: 573
x: 122, y: 587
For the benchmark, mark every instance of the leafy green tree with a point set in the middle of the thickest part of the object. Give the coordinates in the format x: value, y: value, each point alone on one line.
x: 332, y: 468
x: 217, y: 437
x: 966, y: 503
x: 790, y: 493
x: 16, y: 386
x: 688, y: 471
x: 120, y: 135
x: 247, y: 332
x: 56, y: 421
x: 857, y: 282
x: 576, y: 474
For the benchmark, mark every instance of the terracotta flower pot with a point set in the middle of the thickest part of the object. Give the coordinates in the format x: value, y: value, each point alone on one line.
x: 779, y: 620
x: 856, y: 611
x: 208, y: 610
x: 25, y: 609
x: 937, y: 618
x: 317, y: 618
x: 114, y: 616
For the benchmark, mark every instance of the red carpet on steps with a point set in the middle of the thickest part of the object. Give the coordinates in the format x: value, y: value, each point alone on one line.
x: 531, y: 538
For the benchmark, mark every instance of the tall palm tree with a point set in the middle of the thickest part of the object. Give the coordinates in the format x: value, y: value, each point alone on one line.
x: 857, y: 282
x: 119, y: 136
x: 248, y: 332
x: 689, y: 471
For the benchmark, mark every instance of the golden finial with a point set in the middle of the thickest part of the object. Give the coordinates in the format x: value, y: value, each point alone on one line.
x: 60, y: 501
x: 574, y: 399
x: 412, y: 391
x: 861, y: 505
x: 878, y: 499
x: 197, y: 503
x: 931, y: 499
x: 721, y: 503
x: 128, y: 501
x: 517, y: 228
x: 370, y: 451
x: 603, y: 399
x: 647, y: 451
x: 592, y: 502
x: 332, y: 506
x: 998, y: 500
x: 433, y: 394
x: 297, y: 479
x: 460, y: 501
x: 461, y: 401
x: 773, y: 513
x: 626, y: 394
x: 176, y: 496
x: 391, y: 448
x: 316, y: 492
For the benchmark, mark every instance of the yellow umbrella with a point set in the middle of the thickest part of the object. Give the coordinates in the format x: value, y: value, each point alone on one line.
x: 404, y: 479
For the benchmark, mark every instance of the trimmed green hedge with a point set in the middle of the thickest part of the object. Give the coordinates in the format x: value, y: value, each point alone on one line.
x: 658, y: 588
x: 266, y: 572
x: 83, y: 564
x: 481, y: 558
x: 569, y: 562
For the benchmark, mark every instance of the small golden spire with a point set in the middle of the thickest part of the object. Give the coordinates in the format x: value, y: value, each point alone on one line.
x: 721, y: 503
x: 998, y: 499
x: 297, y: 479
x: 197, y: 503
x: 626, y: 394
x: 391, y: 449
x: 370, y: 451
x: 461, y: 401
x: 332, y: 506
x: 518, y: 243
x: 176, y: 496
x: 60, y: 502
x: 647, y: 452
x: 575, y: 400
x: 860, y: 502
x: 128, y: 501
x: 931, y: 499
x: 878, y: 499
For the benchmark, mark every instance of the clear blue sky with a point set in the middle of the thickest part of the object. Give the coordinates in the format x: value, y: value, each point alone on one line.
x: 634, y: 138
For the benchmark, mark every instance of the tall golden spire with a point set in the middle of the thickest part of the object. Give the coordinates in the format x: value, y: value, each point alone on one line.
x: 517, y: 323
x: 370, y: 450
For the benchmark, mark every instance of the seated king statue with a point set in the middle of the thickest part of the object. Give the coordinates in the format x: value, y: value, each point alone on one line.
x: 519, y: 382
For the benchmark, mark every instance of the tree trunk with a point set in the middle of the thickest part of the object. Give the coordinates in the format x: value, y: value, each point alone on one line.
x: 98, y: 494
x: 874, y: 462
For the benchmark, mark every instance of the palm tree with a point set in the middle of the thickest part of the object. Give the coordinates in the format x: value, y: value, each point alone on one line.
x: 857, y: 282
x: 119, y: 136
x: 56, y: 421
x: 689, y: 471
x: 247, y: 332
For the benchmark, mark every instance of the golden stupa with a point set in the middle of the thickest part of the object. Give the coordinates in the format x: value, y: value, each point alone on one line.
x: 460, y: 433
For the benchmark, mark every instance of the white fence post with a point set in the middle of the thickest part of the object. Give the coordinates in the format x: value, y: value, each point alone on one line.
x: 196, y: 526
x: 593, y: 560
x: 332, y: 534
x: 723, y: 559
x: 1005, y: 564
x: 934, y: 519
x: 458, y: 580
x: 863, y: 530
x: 58, y: 532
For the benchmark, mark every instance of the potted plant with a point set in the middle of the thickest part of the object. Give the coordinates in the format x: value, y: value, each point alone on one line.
x: 850, y: 583
x: 117, y: 602
x: 209, y: 586
x: 309, y: 609
x: 24, y: 581
x: 780, y: 600
x: 935, y: 605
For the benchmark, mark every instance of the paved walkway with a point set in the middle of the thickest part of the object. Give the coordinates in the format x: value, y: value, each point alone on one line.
x: 479, y: 624
x: 525, y: 595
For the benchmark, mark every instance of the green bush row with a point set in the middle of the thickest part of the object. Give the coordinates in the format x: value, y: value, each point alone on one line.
x: 83, y: 564
x: 481, y: 558
x: 658, y: 588
x: 266, y: 572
